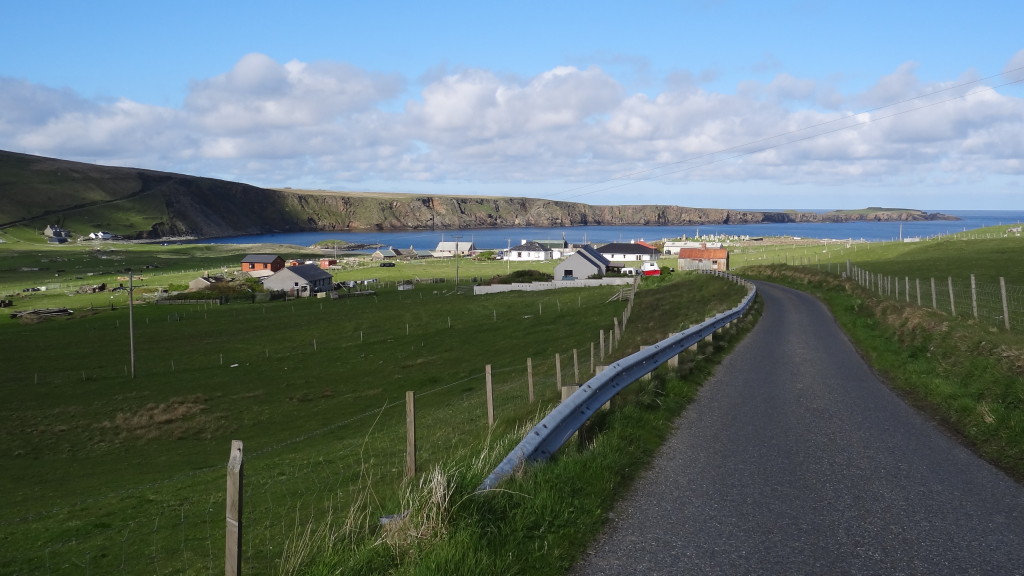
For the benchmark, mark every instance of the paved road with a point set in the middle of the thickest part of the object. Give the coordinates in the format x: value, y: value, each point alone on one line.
x: 796, y: 459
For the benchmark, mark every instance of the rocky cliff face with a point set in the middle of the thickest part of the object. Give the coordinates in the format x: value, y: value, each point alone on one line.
x: 340, y: 212
x: 159, y: 204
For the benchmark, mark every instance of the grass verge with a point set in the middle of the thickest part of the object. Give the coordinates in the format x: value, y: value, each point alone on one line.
x: 538, y: 522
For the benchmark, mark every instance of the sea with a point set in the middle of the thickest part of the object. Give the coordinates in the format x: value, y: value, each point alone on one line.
x: 500, y: 238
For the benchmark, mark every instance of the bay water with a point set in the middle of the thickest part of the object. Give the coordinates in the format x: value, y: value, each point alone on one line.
x: 500, y: 238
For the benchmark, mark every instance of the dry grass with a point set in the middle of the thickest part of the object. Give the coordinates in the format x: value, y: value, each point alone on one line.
x: 176, y: 418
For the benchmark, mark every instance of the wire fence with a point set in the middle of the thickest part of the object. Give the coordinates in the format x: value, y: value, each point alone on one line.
x: 996, y: 304
x: 176, y: 525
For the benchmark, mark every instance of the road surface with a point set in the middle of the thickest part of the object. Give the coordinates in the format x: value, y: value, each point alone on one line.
x: 796, y: 459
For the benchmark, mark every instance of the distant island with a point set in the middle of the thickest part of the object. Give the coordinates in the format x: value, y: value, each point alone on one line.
x: 147, y: 204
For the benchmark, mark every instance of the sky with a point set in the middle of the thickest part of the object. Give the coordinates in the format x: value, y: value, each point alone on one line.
x: 719, y: 104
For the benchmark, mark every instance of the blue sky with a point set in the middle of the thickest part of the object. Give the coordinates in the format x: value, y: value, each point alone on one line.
x: 709, y: 103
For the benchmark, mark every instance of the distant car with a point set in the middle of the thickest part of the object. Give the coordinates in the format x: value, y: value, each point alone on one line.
x: 387, y: 264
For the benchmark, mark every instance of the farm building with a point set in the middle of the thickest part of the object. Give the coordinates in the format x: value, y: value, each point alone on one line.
x: 629, y: 252
x: 54, y: 231
x: 261, y: 265
x: 583, y: 263
x: 204, y: 282
x: 299, y: 281
x: 384, y: 254
x: 674, y: 246
x: 528, y: 251
x: 704, y: 259
x: 449, y: 249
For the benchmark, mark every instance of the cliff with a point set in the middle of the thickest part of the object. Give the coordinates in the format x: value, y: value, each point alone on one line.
x: 137, y: 203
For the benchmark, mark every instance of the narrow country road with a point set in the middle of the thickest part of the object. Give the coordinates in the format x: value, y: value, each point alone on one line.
x: 796, y: 459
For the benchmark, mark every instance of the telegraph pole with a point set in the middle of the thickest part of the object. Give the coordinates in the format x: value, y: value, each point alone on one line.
x: 131, y: 319
x: 457, y: 264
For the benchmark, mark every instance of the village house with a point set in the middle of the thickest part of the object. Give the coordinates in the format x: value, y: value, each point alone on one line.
x: 528, y: 251
x: 54, y: 231
x: 581, y: 264
x: 449, y: 249
x: 204, y: 282
x: 300, y: 281
x: 629, y: 252
x: 262, y: 265
x: 388, y: 253
x: 704, y: 259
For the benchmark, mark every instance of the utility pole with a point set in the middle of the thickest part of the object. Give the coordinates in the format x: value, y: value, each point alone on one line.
x: 457, y: 264
x: 131, y: 319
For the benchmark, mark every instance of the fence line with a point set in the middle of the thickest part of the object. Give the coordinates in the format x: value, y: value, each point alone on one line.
x: 996, y: 304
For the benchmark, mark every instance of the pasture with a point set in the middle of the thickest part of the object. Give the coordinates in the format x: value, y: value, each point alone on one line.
x: 105, y: 473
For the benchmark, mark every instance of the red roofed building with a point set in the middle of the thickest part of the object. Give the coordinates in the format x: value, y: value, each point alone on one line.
x: 704, y: 259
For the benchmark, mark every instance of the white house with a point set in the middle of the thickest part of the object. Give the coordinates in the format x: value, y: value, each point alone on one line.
x: 628, y: 252
x: 528, y: 251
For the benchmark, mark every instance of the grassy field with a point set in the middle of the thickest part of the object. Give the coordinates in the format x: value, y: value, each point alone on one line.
x: 109, y: 474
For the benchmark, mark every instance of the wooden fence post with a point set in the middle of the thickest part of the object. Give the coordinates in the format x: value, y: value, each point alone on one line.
x: 974, y: 297
x: 618, y: 331
x: 558, y: 371
x: 1006, y: 309
x: 233, y: 528
x: 602, y: 344
x: 592, y: 363
x: 490, y: 397
x: 529, y: 379
x: 906, y: 288
x: 935, y: 302
x: 917, y: 281
x: 410, y: 433
x: 952, y: 304
x: 575, y: 367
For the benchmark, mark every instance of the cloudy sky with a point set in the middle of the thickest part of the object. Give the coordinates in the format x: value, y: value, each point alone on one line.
x: 804, y: 104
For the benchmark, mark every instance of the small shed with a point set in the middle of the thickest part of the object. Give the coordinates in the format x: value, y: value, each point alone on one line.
x: 581, y: 264
x: 704, y: 259
x: 300, y: 281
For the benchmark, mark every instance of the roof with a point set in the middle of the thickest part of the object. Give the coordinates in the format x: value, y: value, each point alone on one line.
x: 626, y: 248
x: 308, y: 272
x: 703, y: 253
x: 531, y: 247
x: 451, y: 246
x: 591, y: 255
x: 261, y: 258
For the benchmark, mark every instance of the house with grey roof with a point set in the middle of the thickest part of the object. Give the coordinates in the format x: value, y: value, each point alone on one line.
x: 450, y: 249
x: 300, y: 281
x: 528, y: 251
x: 581, y: 264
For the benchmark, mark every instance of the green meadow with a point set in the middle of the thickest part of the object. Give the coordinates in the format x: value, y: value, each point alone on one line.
x: 107, y: 473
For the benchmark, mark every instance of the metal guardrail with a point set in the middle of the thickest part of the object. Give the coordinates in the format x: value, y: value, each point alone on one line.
x: 568, y: 417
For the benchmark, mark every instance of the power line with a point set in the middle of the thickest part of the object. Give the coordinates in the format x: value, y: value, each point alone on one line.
x: 629, y: 178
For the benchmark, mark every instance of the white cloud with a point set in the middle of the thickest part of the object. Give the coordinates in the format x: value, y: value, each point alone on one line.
x: 329, y: 124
